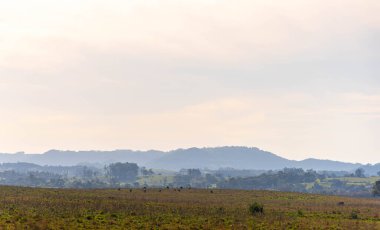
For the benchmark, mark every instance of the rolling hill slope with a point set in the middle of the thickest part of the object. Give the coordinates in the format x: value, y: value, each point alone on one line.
x: 211, y: 158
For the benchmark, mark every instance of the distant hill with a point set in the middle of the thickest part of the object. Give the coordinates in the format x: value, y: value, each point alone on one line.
x: 211, y: 158
x: 240, y: 158
x: 222, y: 157
x: 69, y: 158
x: 328, y: 165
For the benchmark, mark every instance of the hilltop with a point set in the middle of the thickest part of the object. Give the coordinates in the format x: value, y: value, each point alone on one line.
x: 210, y: 158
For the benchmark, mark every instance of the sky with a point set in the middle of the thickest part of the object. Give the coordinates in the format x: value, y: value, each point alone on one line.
x: 298, y: 78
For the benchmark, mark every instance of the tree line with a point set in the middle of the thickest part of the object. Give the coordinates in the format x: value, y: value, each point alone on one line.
x: 125, y: 174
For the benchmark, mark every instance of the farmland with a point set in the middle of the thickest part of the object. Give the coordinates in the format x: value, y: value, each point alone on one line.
x: 42, y: 208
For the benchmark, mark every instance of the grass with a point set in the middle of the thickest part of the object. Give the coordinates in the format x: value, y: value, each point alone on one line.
x: 369, y: 181
x: 156, y: 180
x: 36, y: 208
x: 358, y: 180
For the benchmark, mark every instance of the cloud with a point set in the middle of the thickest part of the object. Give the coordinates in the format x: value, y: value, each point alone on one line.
x: 296, y: 125
x: 46, y: 34
x: 297, y: 77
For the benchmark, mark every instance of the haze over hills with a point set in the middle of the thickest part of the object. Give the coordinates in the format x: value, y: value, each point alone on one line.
x: 240, y: 158
x: 210, y: 158
x: 69, y: 158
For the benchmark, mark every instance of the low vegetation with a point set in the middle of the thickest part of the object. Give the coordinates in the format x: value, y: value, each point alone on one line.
x: 41, y: 208
x: 256, y: 208
x: 130, y: 175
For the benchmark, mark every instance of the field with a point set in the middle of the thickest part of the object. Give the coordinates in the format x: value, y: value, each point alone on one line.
x: 36, y: 208
x: 357, y: 180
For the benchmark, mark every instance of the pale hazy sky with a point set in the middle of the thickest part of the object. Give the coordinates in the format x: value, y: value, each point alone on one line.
x: 298, y: 78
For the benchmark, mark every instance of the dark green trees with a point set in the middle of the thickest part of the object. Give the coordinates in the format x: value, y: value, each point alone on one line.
x: 376, y: 188
x: 122, y: 172
x: 359, y: 172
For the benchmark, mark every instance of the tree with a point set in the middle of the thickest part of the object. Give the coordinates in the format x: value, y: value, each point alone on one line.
x: 122, y: 172
x: 194, y: 173
x: 88, y: 173
x: 211, y: 179
x: 376, y: 188
x: 359, y: 172
x: 146, y: 172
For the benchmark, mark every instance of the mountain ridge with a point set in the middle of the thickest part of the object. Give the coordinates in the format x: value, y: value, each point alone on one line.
x: 238, y: 157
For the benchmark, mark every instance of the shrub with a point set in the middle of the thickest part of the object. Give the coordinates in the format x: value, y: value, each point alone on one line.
x: 256, y: 208
x: 354, y: 215
x: 300, y: 212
